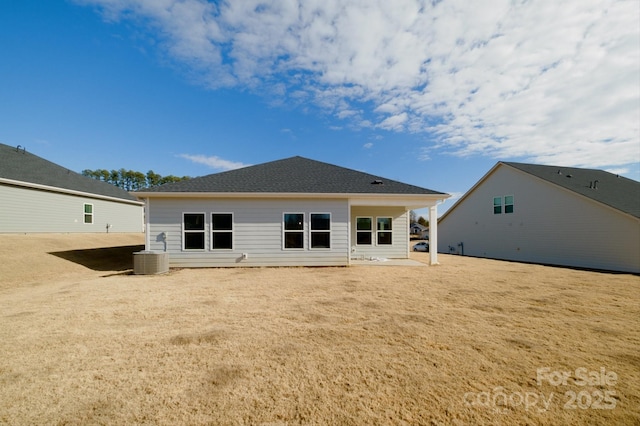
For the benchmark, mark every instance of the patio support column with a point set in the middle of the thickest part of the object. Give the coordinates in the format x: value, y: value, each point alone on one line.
x: 433, y: 235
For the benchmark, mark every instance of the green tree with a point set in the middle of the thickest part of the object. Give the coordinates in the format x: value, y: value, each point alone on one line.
x: 131, y: 180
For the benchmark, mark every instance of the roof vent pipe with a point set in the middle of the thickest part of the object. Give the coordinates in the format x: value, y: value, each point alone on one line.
x: 595, y: 184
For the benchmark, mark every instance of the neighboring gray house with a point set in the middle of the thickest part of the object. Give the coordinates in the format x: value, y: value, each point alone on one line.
x: 550, y: 215
x: 39, y: 196
x: 294, y: 211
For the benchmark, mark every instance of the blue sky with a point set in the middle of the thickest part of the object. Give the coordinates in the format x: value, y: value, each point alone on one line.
x: 428, y: 93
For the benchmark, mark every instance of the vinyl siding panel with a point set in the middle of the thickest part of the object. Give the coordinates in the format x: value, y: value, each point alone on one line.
x: 24, y: 210
x: 400, y: 232
x: 257, y: 232
x: 549, y: 225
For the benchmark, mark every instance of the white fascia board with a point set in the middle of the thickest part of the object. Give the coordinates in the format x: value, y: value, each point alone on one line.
x: 415, y: 201
x: 410, y: 202
x: 68, y: 191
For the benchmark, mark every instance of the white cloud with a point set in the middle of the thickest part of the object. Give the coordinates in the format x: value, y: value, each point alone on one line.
x: 368, y: 145
x: 395, y: 122
x: 545, y: 81
x: 214, y: 162
x: 424, y: 154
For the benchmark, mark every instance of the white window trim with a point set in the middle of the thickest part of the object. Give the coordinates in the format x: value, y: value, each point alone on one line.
x: 512, y: 204
x: 493, y: 207
x: 204, y: 231
x: 232, y: 230
x: 330, y: 231
x: 377, y: 230
x: 371, y: 231
x: 284, y: 231
x: 84, y: 213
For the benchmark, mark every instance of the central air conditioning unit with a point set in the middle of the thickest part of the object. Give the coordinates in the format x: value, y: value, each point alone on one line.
x: 150, y: 263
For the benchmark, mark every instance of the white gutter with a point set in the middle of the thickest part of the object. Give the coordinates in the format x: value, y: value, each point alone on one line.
x: 363, y: 197
x: 67, y: 191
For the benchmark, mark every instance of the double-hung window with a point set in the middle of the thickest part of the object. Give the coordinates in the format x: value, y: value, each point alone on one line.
x: 383, y: 231
x: 320, y: 229
x: 293, y: 230
x: 88, y: 213
x: 221, y: 231
x: 193, y: 231
x: 364, y: 231
x: 508, y: 203
x: 498, y: 204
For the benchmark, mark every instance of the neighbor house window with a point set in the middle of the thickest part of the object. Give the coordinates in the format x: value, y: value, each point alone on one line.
x: 364, y: 231
x: 293, y: 229
x: 193, y: 231
x: 320, y: 228
x: 221, y: 231
x: 497, y: 205
x: 88, y: 213
x: 383, y: 230
x: 508, y: 204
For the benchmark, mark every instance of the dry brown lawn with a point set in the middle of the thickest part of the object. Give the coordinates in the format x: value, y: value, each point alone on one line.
x: 82, y: 341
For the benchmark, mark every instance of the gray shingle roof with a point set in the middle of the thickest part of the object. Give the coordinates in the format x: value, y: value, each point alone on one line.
x: 293, y: 175
x: 20, y: 165
x: 612, y: 190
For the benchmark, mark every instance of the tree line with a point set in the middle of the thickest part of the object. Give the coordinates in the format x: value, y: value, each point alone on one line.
x: 130, y: 180
x: 413, y: 218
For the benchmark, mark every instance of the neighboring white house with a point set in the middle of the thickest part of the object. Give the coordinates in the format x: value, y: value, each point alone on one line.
x: 419, y: 230
x: 39, y: 196
x: 549, y: 215
x: 294, y: 211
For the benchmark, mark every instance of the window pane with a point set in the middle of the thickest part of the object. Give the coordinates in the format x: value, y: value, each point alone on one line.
x: 497, y: 209
x: 363, y: 238
x: 88, y: 208
x: 293, y: 221
x: 384, y: 224
x: 88, y: 218
x: 320, y: 240
x: 221, y: 222
x: 384, y: 237
x: 194, y: 222
x: 293, y: 240
x: 194, y: 240
x: 508, y: 204
x: 363, y: 224
x: 222, y: 240
x: 321, y: 221
x: 497, y: 201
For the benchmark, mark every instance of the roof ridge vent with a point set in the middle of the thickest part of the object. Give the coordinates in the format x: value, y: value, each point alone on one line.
x: 377, y: 182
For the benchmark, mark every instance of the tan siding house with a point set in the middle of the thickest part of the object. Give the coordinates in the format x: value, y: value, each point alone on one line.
x: 550, y: 215
x: 291, y: 212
